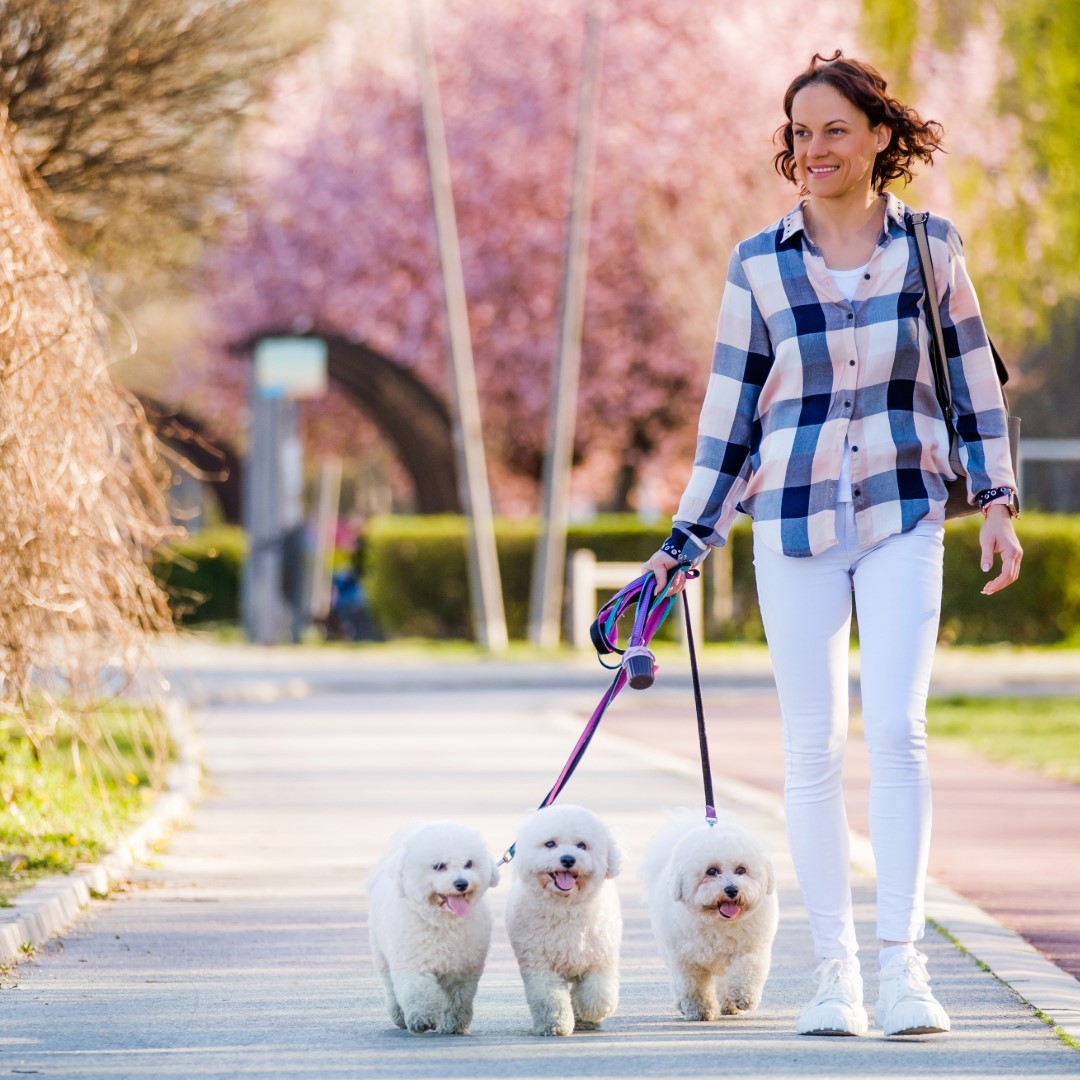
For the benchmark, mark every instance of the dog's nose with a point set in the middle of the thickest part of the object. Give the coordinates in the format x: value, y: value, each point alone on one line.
x: 461, y: 884
x: 732, y: 891
x: 568, y: 861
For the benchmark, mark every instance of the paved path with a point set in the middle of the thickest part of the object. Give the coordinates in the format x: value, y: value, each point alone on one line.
x: 245, y: 954
x: 1005, y: 838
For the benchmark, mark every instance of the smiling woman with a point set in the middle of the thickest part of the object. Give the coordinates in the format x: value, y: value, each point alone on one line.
x: 821, y: 423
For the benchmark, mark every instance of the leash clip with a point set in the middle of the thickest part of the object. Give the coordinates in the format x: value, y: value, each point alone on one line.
x: 640, y: 665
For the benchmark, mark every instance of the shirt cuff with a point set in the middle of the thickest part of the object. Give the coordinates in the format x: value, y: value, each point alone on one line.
x: 682, y: 546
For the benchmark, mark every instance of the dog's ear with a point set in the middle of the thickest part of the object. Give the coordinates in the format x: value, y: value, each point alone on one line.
x: 770, y: 877
x: 396, y: 872
x: 614, y: 860
x: 678, y: 891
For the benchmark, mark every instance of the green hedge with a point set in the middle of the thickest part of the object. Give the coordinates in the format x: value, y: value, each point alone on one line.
x: 414, y: 569
x: 415, y: 572
x: 1043, y: 607
x: 202, y: 575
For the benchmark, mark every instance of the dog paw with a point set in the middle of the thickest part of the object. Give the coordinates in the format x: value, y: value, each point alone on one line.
x: 734, y: 1004
x: 697, y: 1010
x: 419, y: 1024
x: 586, y: 1025
x: 453, y: 1029
x: 554, y: 1029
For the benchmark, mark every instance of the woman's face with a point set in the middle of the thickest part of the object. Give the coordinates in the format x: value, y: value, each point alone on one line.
x: 833, y: 143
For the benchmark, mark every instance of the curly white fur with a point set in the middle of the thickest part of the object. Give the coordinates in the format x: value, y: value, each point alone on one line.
x: 564, y: 919
x: 712, y: 901
x: 430, y: 925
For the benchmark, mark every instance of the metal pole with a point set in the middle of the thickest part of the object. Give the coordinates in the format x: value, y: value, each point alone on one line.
x: 326, y: 518
x: 484, y: 585
x: 266, y: 616
x: 549, y: 564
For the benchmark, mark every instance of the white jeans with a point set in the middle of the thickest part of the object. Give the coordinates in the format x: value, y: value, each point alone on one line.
x: 806, y: 609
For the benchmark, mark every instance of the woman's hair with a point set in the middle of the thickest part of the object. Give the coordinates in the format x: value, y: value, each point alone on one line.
x: 863, y: 86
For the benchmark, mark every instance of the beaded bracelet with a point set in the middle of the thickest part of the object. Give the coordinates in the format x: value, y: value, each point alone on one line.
x: 990, y: 494
x: 668, y: 548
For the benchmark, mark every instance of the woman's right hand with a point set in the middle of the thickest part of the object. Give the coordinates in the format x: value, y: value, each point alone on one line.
x: 661, y: 564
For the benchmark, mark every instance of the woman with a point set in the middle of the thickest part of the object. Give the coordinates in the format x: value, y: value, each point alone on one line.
x: 821, y: 423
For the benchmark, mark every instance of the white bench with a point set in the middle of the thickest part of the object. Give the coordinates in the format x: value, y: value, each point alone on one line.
x: 587, y: 576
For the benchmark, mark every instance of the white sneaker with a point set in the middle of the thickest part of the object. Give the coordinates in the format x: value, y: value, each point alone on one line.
x: 905, y: 1004
x: 837, y: 1007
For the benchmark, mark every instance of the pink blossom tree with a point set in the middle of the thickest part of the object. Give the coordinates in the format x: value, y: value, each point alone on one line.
x: 337, y: 236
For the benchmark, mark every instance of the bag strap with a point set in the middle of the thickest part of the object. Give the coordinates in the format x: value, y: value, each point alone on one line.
x: 938, y: 355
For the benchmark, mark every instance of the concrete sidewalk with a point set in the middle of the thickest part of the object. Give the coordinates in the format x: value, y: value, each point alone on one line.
x: 246, y: 955
x: 1005, y: 838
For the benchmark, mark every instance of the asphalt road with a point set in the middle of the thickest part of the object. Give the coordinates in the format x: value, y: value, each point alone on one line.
x: 243, y: 952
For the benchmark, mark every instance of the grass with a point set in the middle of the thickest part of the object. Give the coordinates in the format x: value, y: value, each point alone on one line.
x: 69, y: 802
x: 1040, y: 733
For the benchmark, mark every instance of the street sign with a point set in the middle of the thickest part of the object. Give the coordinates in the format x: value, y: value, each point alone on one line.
x: 290, y: 367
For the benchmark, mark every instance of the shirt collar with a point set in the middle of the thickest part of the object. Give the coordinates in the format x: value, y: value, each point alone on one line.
x: 895, y: 212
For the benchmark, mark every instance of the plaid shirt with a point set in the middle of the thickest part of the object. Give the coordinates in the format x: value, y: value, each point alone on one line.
x: 797, y: 370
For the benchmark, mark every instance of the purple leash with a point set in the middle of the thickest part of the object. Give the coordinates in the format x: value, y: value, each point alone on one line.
x: 638, y: 667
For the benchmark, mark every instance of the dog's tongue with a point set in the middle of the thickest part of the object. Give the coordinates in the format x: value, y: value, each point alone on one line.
x: 458, y: 904
x: 564, y: 881
x: 729, y: 911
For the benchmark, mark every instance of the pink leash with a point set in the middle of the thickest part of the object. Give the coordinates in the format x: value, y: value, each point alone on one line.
x: 637, y: 666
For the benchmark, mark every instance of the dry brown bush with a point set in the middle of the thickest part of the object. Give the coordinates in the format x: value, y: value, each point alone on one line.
x: 81, y: 490
x: 117, y: 119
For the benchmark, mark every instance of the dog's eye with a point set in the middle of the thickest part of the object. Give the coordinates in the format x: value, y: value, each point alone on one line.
x: 440, y: 866
x: 550, y: 843
x: 740, y: 869
x: 582, y: 846
x: 713, y: 871
x: 468, y: 865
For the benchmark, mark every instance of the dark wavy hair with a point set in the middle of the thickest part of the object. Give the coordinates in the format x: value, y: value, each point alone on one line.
x: 864, y: 87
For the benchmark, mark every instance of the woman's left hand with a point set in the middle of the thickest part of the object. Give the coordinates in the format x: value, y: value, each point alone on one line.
x: 998, y: 535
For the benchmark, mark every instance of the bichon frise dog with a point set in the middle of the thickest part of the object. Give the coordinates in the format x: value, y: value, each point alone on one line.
x: 564, y: 920
x: 430, y: 925
x: 714, y: 910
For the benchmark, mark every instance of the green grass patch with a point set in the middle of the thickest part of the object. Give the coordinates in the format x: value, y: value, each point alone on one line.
x: 1040, y: 733
x: 68, y: 801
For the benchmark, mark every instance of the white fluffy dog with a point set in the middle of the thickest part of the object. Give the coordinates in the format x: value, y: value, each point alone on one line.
x: 564, y: 920
x: 430, y: 925
x: 714, y: 910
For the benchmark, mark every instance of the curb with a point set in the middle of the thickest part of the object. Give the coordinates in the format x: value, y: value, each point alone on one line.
x: 48, y: 908
x: 1053, y: 993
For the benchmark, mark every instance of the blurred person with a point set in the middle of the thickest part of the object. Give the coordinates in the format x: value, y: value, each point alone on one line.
x: 821, y: 423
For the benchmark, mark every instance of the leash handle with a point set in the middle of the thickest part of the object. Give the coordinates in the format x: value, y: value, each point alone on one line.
x: 703, y: 739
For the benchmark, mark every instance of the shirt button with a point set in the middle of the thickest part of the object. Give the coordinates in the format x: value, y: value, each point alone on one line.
x: 866, y: 277
x: 850, y: 315
x: 851, y: 363
x: 856, y: 492
x: 854, y: 449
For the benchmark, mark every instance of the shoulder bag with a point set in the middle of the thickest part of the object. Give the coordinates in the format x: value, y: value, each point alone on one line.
x: 957, y: 504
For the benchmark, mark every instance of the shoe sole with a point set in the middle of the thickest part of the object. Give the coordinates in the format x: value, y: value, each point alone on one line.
x: 919, y: 1031
x: 830, y: 1031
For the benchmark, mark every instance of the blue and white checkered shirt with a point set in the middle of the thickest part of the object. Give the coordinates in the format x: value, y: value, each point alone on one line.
x: 797, y: 369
